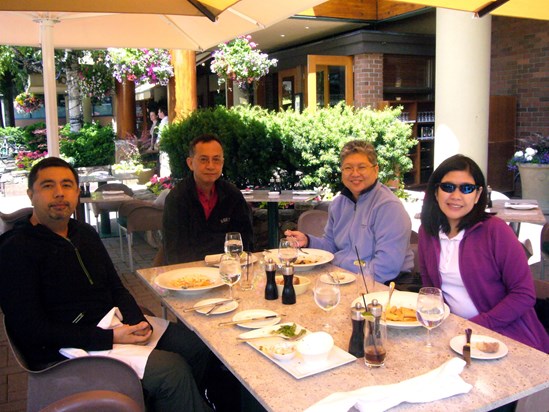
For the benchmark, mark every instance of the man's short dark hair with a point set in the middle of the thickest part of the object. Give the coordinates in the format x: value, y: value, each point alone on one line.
x: 50, y: 162
x: 204, y: 138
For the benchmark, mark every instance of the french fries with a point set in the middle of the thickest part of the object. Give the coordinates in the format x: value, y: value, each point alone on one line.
x: 401, y: 314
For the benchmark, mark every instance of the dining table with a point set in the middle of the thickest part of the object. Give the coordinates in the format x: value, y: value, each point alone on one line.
x: 522, y: 370
x: 104, y: 198
x: 273, y: 199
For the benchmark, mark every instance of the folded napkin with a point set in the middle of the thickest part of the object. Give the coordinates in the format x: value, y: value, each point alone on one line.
x: 133, y: 355
x: 436, y: 384
x: 520, y: 205
x: 212, y: 259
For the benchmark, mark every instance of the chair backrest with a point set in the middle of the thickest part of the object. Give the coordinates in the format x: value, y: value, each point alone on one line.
x: 104, y: 401
x: 141, y: 216
x: 7, y: 220
x: 312, y: 222
x: 99, y: 207
x: 414, y: 246
x: 115, y: 186
x: 71, y: 376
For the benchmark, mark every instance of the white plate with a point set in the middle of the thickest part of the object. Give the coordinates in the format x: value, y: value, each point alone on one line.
x: 457, y: 342
x: 166, y: 280
x: 305, y: 192
x: 320, y: 256
x: 344, y: 277
x: 266, y: 332
x: 401, y: 299
x: 296, y: 366
x: 521, y: 206
x: 215, y: 259
x: 256, y: 313
x: 226, y: 308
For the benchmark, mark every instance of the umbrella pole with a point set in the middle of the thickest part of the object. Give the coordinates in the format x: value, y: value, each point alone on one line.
x: 50, y: 90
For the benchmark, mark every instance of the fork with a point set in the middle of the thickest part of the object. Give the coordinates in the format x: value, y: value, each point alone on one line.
x: 288, y: 338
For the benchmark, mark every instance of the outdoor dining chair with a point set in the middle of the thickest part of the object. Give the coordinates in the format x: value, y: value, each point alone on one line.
x: 72, y: 376
x: 107, y: 207
x: 312, y: 222
x: 7, y: 220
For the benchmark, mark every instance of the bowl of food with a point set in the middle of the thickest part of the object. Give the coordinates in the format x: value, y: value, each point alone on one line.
x: 315, y: 347
x: 283, y: 351
x: 301, y: 284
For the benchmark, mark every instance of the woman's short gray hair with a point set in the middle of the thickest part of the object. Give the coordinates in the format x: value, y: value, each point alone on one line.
x: 359, y: 146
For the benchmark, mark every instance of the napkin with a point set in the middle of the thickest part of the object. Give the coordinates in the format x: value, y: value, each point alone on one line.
x: 133, y: 355
x: 519, y: 205
x: 212, y: 259
x: 437, y: 384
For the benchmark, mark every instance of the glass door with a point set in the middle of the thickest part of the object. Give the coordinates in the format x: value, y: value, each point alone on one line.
x: 329, y: 80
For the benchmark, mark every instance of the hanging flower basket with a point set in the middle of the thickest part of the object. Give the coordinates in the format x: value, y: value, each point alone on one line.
x: 95, y: 78
x: 141, y: 66
x: 27, y: 103
x: 240, y: 61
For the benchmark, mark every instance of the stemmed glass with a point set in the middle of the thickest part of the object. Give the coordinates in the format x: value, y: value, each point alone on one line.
x: 233, y: 243
x: 230, y: 271
x: 287, y: 250
x: 327, y: 296
x: 430, y: 310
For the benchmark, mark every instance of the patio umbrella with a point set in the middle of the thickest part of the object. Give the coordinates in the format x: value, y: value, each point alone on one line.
x: 528, y: 9
x: 169, y: 24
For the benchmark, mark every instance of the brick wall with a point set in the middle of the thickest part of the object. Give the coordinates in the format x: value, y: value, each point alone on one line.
x: 368, y: 79
x: 520, y: 67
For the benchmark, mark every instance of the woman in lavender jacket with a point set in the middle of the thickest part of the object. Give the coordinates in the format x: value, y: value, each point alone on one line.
x: 475, y: 258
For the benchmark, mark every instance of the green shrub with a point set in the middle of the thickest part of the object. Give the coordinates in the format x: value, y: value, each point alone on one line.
x: 93, y: 145
x: 302, y: 148
x: 14, y: 135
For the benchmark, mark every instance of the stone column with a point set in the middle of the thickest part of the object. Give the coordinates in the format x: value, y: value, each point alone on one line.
x: 462, y: 86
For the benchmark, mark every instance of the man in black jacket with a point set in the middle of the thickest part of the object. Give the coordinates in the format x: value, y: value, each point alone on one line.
x: 57, y: 282
x: 201, y: 209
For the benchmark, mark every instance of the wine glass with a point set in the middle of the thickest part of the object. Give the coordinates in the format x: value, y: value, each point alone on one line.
x: 327, y: 296
x: 233, y: 243
x: 287, y: 250
x: 430, y: 310
x: 230, y: 271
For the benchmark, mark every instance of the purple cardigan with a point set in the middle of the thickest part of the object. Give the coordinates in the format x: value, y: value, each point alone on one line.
x: 497, y: 277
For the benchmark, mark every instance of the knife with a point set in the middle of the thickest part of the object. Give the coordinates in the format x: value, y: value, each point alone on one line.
x: 219, y: 302
x: 235, y: 322
x: 217, y: 305
x: 467, y: 347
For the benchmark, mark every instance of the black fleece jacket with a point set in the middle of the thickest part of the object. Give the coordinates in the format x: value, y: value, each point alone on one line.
x: 54, y: 290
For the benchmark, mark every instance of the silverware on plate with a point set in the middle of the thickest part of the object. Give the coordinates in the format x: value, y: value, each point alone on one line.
x: 206, y: 305
x: 236, y: 322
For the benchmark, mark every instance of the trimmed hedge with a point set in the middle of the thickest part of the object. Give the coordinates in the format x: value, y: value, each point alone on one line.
x: 302, y: 148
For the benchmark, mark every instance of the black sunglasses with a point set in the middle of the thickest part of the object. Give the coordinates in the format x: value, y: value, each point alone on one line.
x: 465, y: 188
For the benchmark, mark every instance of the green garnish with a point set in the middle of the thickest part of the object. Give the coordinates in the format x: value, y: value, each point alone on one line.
x: 368, y: 316
x: 286, y: 330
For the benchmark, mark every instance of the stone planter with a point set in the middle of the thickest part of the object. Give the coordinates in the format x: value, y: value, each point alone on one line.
x: 144, y: 176
x: 534, y: 180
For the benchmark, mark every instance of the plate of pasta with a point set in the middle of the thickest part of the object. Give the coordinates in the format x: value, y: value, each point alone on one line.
x: 190, y: 281
x: 402, y: 313
x: 307, y: 258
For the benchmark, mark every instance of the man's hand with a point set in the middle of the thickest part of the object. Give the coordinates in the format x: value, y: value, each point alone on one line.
x: 136, y: 334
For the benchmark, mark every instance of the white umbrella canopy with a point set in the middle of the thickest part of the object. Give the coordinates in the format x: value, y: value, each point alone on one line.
x: 528, y: 9
x: 166, y: 24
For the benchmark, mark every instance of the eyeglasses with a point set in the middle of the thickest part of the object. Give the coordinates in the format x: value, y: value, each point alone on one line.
x: 360, y: 169
x: 203, y: 160
x: 465, y: 188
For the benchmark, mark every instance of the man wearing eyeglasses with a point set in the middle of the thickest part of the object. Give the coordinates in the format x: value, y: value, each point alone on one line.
x: 202, y: 208
x: 366, y: 217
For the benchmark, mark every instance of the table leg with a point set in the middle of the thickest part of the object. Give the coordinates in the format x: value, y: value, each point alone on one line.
x: 80, y: 212
x: 105, y: 223
x: 272, y: 224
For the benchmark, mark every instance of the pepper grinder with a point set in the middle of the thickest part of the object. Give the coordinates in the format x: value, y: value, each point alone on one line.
x: 271, y: 291
x: 356, y: 343
x: 375, y: 337
x: 288, y: 292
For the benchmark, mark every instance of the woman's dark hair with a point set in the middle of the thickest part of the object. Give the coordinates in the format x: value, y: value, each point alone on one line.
x: 49, y: 162
x: 432, y: 218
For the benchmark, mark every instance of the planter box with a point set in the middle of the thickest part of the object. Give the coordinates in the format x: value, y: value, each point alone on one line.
x: 534, y: 180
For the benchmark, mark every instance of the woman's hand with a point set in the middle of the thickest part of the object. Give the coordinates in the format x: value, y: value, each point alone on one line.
x: 137, y: 334
x: 302, y: 239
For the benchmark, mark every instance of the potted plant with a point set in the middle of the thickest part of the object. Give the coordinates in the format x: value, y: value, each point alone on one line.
x: 141, y: 66
x: 27, y: 102
x: 532, y: 163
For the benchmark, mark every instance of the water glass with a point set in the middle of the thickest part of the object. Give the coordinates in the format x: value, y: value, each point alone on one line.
x: 233, y: 243
x: 247, y: 278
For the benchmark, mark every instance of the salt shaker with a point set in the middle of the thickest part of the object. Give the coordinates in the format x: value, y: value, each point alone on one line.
x: 356, y: 343
x: 271, y: 291
x: 288, y: 292
x: 375, y: 337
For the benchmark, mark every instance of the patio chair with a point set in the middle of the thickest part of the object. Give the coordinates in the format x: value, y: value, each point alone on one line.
x: 104, y: 401
x: 7, y: 220
x: 107, y: 207
x: 312, y: 222
x: 72, y: 376
x: 137, y: 216
x: 544, y: 253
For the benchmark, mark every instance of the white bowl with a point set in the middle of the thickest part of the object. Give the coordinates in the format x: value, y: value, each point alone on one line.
x: 299, y: 289
x: 283, y: 351
x: 315, y: 347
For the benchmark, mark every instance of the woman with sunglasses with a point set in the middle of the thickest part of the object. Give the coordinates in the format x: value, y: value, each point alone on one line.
x: 475, y: 258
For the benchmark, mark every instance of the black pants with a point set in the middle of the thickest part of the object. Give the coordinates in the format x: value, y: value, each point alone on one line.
x: 175, y: 370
